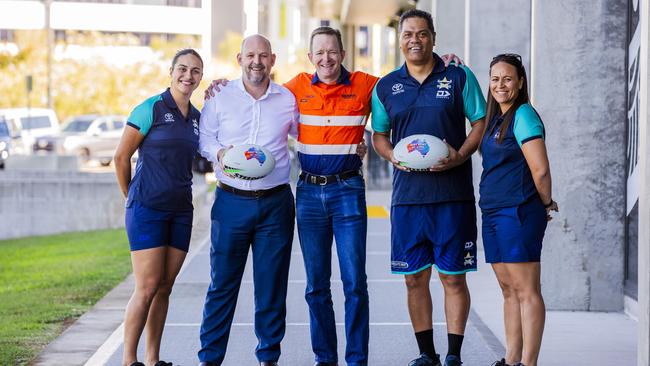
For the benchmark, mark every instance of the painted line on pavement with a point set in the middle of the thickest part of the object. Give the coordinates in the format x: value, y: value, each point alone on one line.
x: 374, y: 324
x: 248, y: 282
x: 108, y: 348
x: 377, y: 212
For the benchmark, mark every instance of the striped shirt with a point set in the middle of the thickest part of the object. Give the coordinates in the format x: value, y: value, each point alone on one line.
x: 332, y: 120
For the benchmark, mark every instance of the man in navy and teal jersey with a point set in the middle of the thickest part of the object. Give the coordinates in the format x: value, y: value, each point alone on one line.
x: 433, y: 217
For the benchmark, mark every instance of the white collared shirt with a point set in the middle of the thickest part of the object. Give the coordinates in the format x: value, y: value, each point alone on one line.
x: 234, y: 117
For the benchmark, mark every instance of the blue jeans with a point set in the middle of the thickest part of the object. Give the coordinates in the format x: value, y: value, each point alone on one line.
x: 239, y: 223
x: 335, y: 210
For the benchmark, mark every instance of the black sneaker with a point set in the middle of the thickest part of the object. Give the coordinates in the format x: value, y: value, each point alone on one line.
x: 500, y: 363
x: 163, y: 363
x: 136, y: 363
x: 425, y: 360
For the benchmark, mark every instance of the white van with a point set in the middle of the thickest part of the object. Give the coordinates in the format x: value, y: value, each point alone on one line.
x: 27, y: 124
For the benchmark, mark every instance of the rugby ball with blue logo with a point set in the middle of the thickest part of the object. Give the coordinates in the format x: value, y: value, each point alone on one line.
x: 248, y: 161
x: 420, y: 152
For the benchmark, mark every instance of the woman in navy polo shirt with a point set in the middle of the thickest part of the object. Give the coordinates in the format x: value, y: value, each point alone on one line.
x: 164, y: 130
x: 515, y: 201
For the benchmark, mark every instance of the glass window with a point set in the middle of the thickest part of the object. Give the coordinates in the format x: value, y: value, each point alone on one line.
x: 32, y: 122
x: 77, y: 125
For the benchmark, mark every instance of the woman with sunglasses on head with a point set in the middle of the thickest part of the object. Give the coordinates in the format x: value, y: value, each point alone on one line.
x: 515, y: 202
x: 164, y: 130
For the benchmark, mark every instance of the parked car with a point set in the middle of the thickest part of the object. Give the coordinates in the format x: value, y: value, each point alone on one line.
x: 25, y: 125
x: 5, y: 142
x: 91, y: 137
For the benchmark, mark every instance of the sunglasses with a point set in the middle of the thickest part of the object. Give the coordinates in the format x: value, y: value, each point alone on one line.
x: 507, y: 55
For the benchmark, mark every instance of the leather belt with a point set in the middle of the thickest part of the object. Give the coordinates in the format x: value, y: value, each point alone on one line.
x: 327, y: 179
x: 252, y: 194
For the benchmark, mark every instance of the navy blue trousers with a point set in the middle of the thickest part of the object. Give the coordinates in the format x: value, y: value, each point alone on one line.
x: 266, y: 226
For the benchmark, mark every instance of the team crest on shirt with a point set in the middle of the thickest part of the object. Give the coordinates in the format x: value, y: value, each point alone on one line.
x: 469, y: 260
x: 196, y: 126
x: 169, y: 117
x: 443, y: 86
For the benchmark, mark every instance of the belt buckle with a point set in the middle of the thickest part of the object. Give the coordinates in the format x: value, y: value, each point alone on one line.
x: 258, y: 193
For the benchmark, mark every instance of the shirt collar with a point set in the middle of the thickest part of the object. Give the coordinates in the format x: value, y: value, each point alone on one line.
x: 272, y: 89
x: 438, y: 67
x: 344, y: 78
x: 168, y: 99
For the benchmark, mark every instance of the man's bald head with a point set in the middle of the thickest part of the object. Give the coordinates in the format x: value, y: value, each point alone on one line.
x: 257, y: 40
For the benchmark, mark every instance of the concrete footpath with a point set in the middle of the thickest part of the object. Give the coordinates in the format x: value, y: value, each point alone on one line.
x: 571, y: 338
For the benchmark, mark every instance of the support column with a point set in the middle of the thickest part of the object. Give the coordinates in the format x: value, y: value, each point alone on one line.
x: 449, y: 21
x: 578, y: 82
x: 643, y: 346
x: 497, y: 26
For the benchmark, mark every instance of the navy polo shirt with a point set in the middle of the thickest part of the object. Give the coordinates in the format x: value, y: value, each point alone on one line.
x: 506, y: 180
x: 163, y: 173
x: 438, y: 107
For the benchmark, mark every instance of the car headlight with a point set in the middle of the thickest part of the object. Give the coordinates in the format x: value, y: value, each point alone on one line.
x: 3, y: 145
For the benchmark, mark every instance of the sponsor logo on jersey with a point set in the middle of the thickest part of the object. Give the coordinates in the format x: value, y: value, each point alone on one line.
x: 418, y: 145
x: 397, y: 88
x: 254, y: 153
x: 196, y: 126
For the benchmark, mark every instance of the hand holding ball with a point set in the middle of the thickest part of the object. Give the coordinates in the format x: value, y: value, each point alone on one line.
x: 420, y: 152
x: 248, y: 161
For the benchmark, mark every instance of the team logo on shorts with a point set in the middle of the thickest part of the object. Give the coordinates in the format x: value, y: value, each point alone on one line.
x: 169, y: 117
x: 469, y: 245
x: 254, y: 153
x: 418, y: 145
x: 469, y: 260
x: 398, y: 264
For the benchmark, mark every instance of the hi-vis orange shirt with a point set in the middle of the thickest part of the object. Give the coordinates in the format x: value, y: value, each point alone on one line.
x: 332, y: 120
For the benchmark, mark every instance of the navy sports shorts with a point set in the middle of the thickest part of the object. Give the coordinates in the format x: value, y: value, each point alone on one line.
x: 148, y: 228
x: 514, y: 234
x: 442, y: 235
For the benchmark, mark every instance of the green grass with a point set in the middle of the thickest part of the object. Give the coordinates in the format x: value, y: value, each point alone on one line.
x: 47, y: 282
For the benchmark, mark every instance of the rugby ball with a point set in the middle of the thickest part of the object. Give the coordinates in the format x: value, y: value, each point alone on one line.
x: 248, y: 161
x: 420, y: 152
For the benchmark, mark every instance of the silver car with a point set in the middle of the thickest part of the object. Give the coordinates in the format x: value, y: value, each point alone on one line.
x: 91, y: 137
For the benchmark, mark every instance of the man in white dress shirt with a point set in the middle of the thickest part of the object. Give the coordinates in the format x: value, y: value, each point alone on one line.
x: 256, y: 214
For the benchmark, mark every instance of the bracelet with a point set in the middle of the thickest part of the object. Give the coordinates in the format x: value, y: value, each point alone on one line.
x: 549, y: 204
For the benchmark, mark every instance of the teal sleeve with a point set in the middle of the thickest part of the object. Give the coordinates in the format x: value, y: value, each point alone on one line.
x: 473, y: 99
x: 141, y: 118
x: 527, y: 124
x: 380, y: 119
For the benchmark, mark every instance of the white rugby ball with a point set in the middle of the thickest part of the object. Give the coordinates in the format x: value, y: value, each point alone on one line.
x: 248, y: 161
x: 420, y: 152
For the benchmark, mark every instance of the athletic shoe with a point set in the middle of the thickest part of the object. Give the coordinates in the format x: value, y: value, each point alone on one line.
x: 163, y: 363
x: 425, y: 360
x: 452, y: 360
x: 500, y: 363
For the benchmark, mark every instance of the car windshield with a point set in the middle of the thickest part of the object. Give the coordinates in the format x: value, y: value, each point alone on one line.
x: 4, y: 130
x: 78, y: 125
x: 32, y: 122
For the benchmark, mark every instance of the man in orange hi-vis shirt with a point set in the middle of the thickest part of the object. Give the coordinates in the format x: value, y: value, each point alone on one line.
x: 330, y: 195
